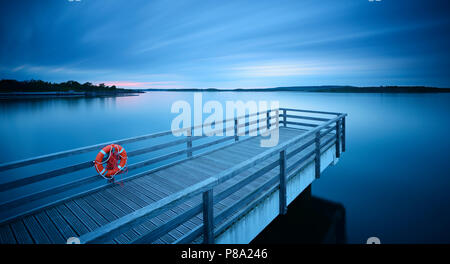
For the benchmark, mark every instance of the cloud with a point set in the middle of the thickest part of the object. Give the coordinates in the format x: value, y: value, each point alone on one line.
x: 46, y: 69
x: 179, y: 44
x: 282, y: 69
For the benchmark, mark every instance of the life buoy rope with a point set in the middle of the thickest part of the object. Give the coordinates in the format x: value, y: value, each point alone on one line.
x: 116, y: 161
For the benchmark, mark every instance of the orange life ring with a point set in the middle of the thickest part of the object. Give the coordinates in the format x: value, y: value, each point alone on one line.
x: 110, y: 171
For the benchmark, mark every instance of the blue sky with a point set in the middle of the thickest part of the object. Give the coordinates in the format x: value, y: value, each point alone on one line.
x: 227, y: 44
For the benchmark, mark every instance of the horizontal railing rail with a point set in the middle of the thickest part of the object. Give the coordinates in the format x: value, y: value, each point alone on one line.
x: 207, y: 229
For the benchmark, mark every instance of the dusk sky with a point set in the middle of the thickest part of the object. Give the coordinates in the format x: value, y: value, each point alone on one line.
x: 227, y: 44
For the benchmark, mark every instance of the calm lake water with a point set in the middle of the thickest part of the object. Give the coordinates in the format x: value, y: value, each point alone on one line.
x: 394, y: 179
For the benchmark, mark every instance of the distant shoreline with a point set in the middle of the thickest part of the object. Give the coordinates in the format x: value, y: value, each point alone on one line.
x: 52, y: 94
x: 319, y: 89
x: 36, y: 89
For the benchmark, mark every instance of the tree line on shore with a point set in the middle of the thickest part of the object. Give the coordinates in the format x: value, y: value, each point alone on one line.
x: 43, y: 86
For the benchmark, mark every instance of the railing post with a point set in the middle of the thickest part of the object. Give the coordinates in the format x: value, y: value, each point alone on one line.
x: 284, y: 118
x: 236, y: 137
x: 208, y: 217
x: 338, y: 138
x: 268, y: 120
x: 189, y: 143
x: 278, y: 118
x: 283, y: 200
x: 343, y: 134
x: 317, y: 156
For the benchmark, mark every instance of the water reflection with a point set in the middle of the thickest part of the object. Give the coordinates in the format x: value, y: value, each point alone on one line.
x: 8, y: 106
x: 310, y: 220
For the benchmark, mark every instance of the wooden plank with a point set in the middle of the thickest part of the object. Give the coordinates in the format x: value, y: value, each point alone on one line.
x: 87, y: 221
x: 114, y: 202
x: 35, y: 230
x: 137, y: 196
x: 171, y: 187
x: 72, y: 220
x: 190, y: 172
x: 170, y: 183
x: 105, y: 206
x: 21, y: 233
x: 175, y: 211
x: 6, y: 235
x: 163, y: 183
x: 237, y: 153
x: 109, y: 216
x: 98, y: 218
x: 50, y: 229
x: 157, y: 194
x: 63, y: 227
x: 134, y: 202
x: 152, y: 191
x: 125, y: 207
x: 170, y: 225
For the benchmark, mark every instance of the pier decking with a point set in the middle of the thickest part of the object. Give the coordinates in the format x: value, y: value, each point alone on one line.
x: 196, y: 193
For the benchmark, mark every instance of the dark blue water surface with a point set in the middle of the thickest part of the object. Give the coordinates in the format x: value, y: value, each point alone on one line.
x: 394, y: 179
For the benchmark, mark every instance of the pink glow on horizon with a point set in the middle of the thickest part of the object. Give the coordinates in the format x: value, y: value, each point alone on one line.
x: 134, y: 85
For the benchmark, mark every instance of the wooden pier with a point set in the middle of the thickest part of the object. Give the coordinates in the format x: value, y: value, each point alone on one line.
x: 189, y: 189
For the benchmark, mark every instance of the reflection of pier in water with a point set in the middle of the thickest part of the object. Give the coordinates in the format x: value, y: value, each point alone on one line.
x: 309, y: 220
x: 184, y: 190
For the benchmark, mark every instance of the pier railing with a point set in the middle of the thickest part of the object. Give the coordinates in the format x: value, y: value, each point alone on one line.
x: 214, y: 224
x: 52, y: 194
